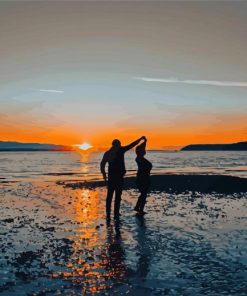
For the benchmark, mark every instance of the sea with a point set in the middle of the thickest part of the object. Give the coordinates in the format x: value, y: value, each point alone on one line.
x: 17, y: 166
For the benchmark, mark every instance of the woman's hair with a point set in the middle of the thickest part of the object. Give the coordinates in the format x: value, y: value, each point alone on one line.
x: 141, y: 149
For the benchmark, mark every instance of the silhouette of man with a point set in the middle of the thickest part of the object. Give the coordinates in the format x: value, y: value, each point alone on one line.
x: 116, y: 171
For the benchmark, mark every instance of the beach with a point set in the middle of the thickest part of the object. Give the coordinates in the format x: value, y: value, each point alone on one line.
x: 55, y: 240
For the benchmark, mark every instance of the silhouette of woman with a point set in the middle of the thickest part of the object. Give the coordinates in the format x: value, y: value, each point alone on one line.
x: 143, y: 181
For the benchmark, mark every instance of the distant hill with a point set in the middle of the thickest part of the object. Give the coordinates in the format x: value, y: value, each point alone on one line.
x: 17, y: 146
x: 241, y: 146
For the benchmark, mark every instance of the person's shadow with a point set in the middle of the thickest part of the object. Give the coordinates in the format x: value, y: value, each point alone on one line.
x: 143, y: 247
x: 114, y: 254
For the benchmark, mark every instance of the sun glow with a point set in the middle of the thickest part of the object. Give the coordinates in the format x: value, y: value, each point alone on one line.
x: 85, y: 146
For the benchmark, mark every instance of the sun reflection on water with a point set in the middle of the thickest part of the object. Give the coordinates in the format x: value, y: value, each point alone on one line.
x: 85, y: 157
x: 96, y: 258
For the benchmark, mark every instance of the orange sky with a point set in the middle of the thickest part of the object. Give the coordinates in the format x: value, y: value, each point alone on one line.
x: 179, y: 133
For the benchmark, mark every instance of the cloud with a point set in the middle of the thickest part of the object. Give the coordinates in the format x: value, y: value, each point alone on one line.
x: 49, y: 90
x: 194, y: 82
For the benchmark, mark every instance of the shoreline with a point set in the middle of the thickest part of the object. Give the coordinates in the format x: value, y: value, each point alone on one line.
x: 176, y: 183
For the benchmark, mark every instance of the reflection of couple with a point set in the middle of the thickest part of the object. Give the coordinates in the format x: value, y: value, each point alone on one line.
x: 114, y: 256
x: 116, y: 171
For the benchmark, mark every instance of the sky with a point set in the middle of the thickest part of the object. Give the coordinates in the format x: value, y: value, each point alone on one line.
x: 72, y: 72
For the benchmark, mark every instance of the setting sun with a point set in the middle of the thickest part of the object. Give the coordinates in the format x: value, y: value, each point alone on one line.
x: 84, y: 146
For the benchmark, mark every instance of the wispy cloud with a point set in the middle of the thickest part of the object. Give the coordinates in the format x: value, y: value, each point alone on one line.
x: 194, y: 82
x: 49, y: 90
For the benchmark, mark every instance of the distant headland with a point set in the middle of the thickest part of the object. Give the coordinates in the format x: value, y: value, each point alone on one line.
x: 17, y: 146
x: 241, y: 146
x: 12, y: 146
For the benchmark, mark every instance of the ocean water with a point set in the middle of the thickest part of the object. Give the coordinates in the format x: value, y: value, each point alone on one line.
x: 19, y: 166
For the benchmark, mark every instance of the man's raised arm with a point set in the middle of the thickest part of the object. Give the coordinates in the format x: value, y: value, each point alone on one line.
x: 103, y: 164
x: 133, y: 144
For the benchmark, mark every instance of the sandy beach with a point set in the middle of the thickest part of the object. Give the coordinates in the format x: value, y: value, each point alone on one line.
x: 54, y: 241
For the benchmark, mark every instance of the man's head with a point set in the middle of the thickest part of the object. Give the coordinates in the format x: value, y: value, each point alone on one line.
x: 116, y: 144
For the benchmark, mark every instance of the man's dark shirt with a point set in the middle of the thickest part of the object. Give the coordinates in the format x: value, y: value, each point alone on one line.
x: 116, y: 164
x: 115, y: 159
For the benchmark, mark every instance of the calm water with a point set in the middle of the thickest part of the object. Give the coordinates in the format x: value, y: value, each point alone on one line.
x: 72, y: 165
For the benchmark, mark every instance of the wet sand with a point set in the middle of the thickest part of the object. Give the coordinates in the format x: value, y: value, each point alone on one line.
x: 179, y: 183
x: 55, y: 241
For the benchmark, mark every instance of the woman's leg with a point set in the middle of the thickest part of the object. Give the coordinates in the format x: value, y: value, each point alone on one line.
x: 138, y: 203
x: 143, y: 200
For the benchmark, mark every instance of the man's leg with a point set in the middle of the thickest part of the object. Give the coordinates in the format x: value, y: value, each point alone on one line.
x: 110, y: 191
x: 118, y: 195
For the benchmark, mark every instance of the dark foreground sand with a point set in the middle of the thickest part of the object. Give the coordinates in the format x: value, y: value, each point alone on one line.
x: 180, y: 183
x: 54, y: 239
